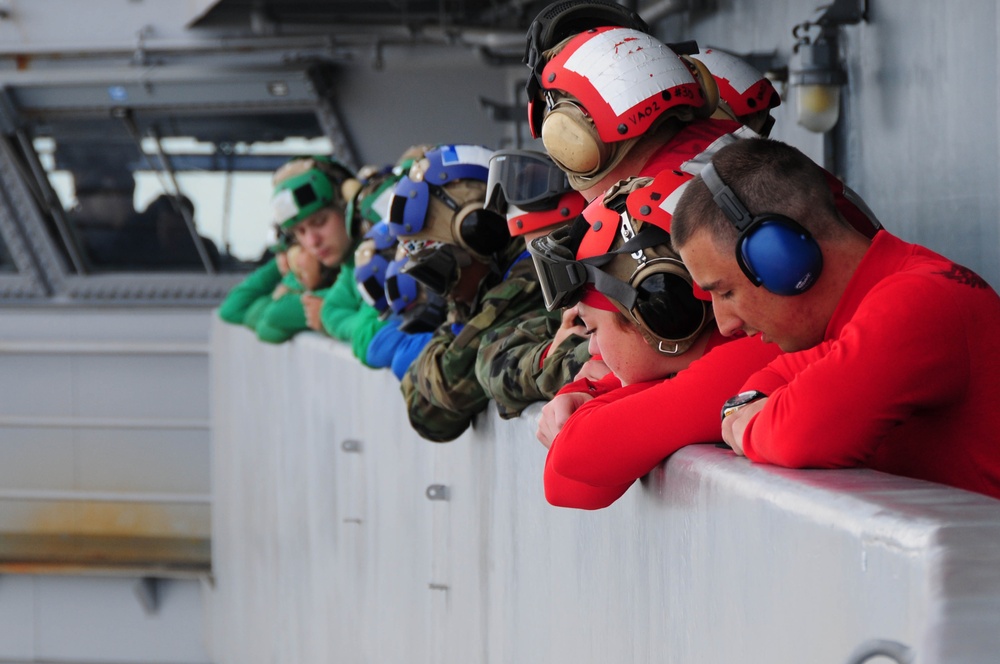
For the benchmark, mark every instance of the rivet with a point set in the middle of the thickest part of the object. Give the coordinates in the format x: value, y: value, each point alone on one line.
x: 751, y: 102
x: 597, y: 225
x: 655, y: 195
x: 552, y: 76
x: 645, y: 209
x: 564, y: 211
x: 666, y: 94
x: 520, y: 224
x: 622, y: 129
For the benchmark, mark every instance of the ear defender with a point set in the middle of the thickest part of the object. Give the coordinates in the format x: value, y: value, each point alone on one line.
x: 572, y: 141
x: 482, y: 231
x: 774, y: 251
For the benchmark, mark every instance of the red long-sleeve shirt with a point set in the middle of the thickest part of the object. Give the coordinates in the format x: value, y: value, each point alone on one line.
x: 906, y: 380
x: 618, y: 437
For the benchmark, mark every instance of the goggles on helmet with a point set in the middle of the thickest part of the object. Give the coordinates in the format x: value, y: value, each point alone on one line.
x: 438, y: 268
x: 563, y: 277
x: 444, y: 164
x: 420, y: 309
x: 525, y: 179
x: 642, y: 277
x: 657, y: 295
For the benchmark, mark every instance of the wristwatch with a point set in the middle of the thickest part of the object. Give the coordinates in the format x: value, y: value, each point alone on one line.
x: 743, y: 398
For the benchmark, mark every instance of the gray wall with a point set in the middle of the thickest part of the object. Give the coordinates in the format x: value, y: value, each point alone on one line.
x: 430, y: 96
x: 920, y: 138
x: 323, y: 553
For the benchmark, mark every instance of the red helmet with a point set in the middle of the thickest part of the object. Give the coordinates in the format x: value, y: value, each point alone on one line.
x: 634, y: 265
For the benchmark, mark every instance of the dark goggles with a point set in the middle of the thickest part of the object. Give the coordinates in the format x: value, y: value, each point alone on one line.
x: 525, y: 179
x: 665, y: 305
x: 426, y: 316
x: 437, y: 269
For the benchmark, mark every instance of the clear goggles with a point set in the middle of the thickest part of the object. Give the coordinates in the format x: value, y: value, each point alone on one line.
x: 525, y: 179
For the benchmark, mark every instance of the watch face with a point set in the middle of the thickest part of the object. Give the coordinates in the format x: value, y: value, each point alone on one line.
x: 743, y: 398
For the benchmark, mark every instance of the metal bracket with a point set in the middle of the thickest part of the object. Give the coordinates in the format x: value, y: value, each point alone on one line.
x: 880, y: 647
x: 147, y: 591
x: 437, y: 492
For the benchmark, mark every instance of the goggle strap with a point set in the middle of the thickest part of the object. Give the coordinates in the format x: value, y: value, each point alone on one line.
x: 649, y: 236
x: 612, y: 287
x: 440, y: 194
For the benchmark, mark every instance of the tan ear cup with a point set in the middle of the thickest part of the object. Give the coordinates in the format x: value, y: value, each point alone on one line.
x: 349, y: 189
x: 456, y: 228
x: 707, y: 83
x: 572, y: 141
x: 724, y: 112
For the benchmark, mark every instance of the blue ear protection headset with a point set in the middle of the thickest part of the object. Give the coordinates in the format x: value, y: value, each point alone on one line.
x: 774, y: 251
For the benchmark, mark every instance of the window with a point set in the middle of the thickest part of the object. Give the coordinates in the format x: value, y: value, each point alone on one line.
x: 169, y: 195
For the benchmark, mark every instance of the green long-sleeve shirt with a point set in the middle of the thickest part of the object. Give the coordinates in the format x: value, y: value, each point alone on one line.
x: 252, y: 303
x: 346, y: 316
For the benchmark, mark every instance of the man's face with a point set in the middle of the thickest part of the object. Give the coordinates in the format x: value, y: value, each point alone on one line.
x: 792, y: 322
x: 324, y: 235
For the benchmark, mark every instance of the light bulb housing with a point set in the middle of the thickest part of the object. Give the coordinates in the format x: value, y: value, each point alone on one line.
x: 816, y: 77
x: 815, y: 73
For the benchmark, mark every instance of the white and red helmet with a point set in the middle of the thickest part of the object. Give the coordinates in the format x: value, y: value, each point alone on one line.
x: 623, y: 79
x: 742, y: 87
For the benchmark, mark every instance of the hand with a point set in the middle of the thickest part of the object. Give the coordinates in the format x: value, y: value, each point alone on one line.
x: 569, y: 326
x: 312, y: 304
x: 734, y: 426
x: 556, y: 412
x: 593, y: 369
x: 282, y: 261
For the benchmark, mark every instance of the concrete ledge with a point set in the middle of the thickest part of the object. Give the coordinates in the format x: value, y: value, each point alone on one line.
x: 330, y: 552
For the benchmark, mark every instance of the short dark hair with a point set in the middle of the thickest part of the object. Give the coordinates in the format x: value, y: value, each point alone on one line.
x: 768, y: 176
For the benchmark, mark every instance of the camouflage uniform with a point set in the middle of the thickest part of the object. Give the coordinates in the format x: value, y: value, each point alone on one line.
x: 440, y: 388
x: 511, y: 368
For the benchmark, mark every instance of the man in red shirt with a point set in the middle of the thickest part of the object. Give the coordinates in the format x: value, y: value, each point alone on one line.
x: 891, y: 349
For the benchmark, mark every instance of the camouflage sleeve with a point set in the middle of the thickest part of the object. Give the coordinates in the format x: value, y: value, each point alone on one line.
x: 440, y: 387
x: 513, y: 366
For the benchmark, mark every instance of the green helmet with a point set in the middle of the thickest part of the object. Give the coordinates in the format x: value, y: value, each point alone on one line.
x: 306, y: 185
